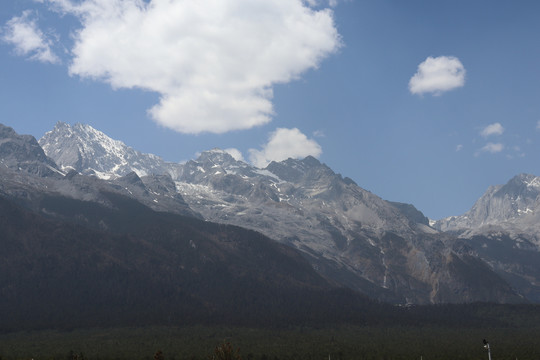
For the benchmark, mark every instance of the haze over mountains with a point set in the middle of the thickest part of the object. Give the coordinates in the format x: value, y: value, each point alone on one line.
x: 338, y: 234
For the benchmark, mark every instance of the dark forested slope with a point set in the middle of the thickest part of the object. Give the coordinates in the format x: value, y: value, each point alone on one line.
x: 152, y: 268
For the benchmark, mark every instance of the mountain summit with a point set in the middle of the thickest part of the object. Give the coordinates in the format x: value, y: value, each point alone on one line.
x: 23, y: 152
x: 514, y: 206
x: 90, y: 152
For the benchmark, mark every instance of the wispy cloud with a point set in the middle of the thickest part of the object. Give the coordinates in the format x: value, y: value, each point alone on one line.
x: 319, y: 133
x: 436, y: 75
x: 459, y: 147
x: 213, y: 62
x: 283, y: 144
x: 23, y: 33
x: 491, y: 148
x: 492, y: 129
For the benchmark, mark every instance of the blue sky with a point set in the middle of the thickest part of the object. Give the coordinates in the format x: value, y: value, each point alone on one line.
x: 423, y: 102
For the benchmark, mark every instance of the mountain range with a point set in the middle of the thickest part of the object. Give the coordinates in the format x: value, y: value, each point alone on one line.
x: 78, y: 251
x: 351, y: 236
x: 316, y: 231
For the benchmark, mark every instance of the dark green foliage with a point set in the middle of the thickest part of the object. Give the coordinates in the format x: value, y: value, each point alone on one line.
x: 347, y: 342
x: 75, y: 356
x: 159, y: 355
x: 225, y: 351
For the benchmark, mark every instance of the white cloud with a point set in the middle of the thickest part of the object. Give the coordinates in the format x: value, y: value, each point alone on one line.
x: 437, y: 75
x: 235, y: 153
x: 459, y: 147
x: 492, y: 129
x: 213, y: 62
x: 331, y: 3
x: 23, y: 33
x: 538, y: 125
x: 283, y: 144
x: 493, y: 148
x: 319, y: 133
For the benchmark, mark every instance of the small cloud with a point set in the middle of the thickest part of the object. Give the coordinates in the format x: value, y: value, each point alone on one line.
x: 23, y: 33
x: 235, y: 153
x: 438, y: 75
x: 283, y: 144
x: 492, y: 148
x: 319, y: 134
x: 459, y: 147
x: 538, y: 125
x: 492, y: 129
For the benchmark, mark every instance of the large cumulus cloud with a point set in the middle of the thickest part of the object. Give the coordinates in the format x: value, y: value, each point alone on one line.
x: 213, y: 62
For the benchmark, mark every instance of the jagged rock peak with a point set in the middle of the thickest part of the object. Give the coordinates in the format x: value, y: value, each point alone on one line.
x: 522, y: 185
x: 217, y: 156
x: 506, y: 205
x: 22, y: 152
x: 304, y: 164
x: 6, y: 131
x: 22, y: 142
x: 294, y: 169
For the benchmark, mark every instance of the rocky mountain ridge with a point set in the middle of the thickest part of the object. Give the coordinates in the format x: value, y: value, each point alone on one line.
x: 503, y: 228
x: 349, y: 235
x: 22, y: 152
x: 79, y: 251
x: 511, y: 207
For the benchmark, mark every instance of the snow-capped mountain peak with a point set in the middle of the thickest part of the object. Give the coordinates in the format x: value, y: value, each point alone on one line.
x: 88, y: 151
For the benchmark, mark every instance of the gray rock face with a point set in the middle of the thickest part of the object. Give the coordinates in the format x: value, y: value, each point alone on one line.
x: 351, y: 236
x: 503, y: 228
x: 22, y: 152
x: 511, y: 208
